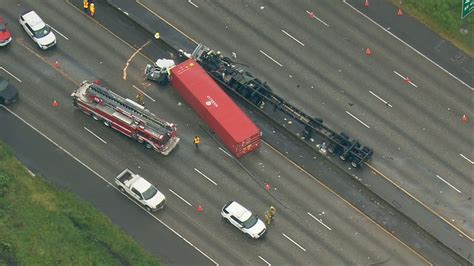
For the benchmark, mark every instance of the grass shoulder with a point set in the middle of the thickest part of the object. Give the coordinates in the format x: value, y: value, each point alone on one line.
x: 444, y: 18
x: 43, y: 225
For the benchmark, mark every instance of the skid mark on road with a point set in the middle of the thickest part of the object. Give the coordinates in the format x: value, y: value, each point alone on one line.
x: 131, y: 58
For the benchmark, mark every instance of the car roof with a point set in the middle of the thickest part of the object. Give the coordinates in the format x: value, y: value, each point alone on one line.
x: 34, y: 20
x: 141, y: 185
x: 8, y: 86
x: 239, y: 211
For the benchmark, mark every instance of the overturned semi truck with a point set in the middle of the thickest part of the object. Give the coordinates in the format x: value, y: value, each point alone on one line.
x: 234, y: 78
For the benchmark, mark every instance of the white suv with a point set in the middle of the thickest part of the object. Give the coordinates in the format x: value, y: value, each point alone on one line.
x: 243, y: 219
x: 38, y: 31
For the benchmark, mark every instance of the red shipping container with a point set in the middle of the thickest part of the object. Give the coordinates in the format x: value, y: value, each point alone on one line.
x: 238, y: 133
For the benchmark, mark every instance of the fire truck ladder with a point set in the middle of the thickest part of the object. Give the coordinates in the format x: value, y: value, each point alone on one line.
x: 235, y: 79
x: 137, y: 111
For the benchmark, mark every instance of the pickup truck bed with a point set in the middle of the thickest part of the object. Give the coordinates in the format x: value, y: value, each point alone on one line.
x: 124, y: 176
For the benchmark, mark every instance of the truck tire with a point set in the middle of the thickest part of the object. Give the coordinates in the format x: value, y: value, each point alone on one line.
x: 95, y: 117
x: 121, y: 189
x: 148, y: 145
x: 106, y: 123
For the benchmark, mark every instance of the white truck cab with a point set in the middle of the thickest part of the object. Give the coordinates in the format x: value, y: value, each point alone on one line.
x: 141, y: 190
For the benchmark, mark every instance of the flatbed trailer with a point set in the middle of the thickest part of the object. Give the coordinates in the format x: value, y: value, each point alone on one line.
x: 235, y: 79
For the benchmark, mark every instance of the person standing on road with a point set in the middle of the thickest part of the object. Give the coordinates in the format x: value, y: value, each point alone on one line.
x: 92, y: 8
x: 197, y: 140
x: 140, y: 98
x: 85, y: 5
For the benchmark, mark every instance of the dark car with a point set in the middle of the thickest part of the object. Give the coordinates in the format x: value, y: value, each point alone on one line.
x: 8, y: 92
x: 5, y: 35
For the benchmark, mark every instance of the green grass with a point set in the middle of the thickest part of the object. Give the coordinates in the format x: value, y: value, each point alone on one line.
x: 43, y: 225
x: 443, y: 17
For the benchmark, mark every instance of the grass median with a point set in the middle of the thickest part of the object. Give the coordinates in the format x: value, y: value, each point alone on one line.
x: 43, y: 225
x: 443, y: 17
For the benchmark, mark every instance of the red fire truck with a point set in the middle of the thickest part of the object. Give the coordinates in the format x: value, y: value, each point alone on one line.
x: 125, y: 116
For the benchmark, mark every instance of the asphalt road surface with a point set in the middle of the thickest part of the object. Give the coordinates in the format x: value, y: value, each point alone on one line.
x: 42, y: 156
x: 394, y: 100
x: 308, y: 229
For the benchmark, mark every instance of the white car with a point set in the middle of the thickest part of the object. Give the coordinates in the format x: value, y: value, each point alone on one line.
x: 39, y: 31
x: 243, y: 219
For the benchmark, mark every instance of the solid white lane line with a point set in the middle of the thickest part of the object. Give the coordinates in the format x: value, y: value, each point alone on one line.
x: 467, y: 159
x: 131, y: 57
x: 402, y: 41
x: 95, y: 135
x: 62, y: 35
x: 314, y: 16
x: 265, y: 261
x: 210, y: 180
x: 320, y: 221
x: 176, y: 194
x: 320, y: 20
x: 269, y: 57
x: 294, y: 39
x: 8, y: 72
x: 413, y: 84
x: 30, y: 172
x: 400, y: 75
x: 294, y: 242
x: 148, y: 96
x: 106, y: 181
x: 225, y: 152
x: 405, y: 79
x: 453, y: 187
x: 360, y: 121
x: 382, y: 100
x: 191, y: 2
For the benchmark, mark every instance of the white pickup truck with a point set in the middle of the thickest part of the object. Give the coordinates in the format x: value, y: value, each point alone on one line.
x: 141, y: 190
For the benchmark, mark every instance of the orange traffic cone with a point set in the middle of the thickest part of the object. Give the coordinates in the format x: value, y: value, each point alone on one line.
x: 56, y: 64
x: 368, y: 51
x: 399, y: 12
x: 55, y: 103
x: 199, y: 208
x: 267, y: 186
x: 366, y: 4
x: 464, y: 119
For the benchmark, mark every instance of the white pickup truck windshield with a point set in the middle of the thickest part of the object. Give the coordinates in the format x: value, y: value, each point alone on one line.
x: 150, y: 193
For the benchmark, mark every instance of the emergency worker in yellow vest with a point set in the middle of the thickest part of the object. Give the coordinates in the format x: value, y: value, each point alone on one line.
x: 92, y: 9
x: 85, y: 4
x: 197, y: 140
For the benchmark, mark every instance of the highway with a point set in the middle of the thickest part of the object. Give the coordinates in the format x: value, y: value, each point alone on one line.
x: 313, y: 224
x: 393, y: 100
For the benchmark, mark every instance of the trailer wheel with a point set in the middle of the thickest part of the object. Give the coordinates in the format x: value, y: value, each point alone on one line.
x: 106, y: 123
x: 342, y: 157
x: 354, y: 164
x: 121, y: 189
x: 96, y: 118
x: 331, y: 149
